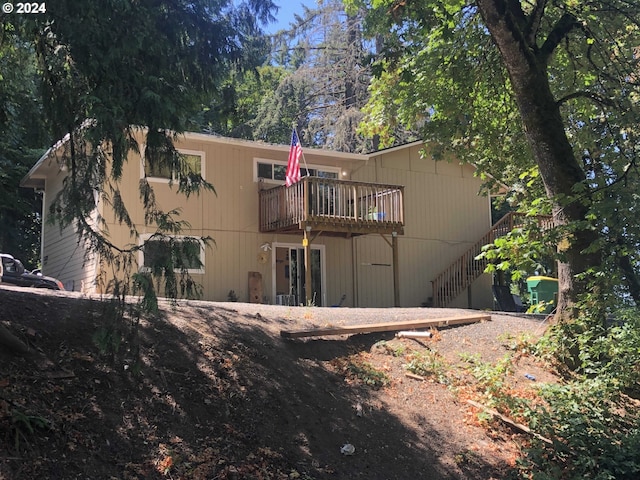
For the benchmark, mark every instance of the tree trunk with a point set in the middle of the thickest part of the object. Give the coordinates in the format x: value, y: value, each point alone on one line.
x: 559, y: 169
x: 630, y: 277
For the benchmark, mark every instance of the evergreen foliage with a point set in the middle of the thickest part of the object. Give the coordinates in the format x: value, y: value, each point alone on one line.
x: 119, y: 80
x: 328, y: 72
x: 22, y: 138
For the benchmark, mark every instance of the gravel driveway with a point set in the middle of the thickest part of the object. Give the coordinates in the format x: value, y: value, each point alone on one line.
x: 319, y: 317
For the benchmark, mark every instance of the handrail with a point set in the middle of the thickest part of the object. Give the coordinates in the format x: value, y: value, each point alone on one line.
x: 463, y: 271
x: 325, y: 199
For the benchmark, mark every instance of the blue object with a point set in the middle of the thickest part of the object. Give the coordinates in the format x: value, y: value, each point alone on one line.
x: 530, y: 377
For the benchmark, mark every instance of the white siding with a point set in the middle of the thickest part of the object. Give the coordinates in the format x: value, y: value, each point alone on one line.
x: 64, y: 256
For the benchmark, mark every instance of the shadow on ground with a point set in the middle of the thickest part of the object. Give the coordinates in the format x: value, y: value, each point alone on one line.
x: 216, y: 395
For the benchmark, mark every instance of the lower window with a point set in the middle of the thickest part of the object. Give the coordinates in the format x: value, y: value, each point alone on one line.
x: 181, y: 253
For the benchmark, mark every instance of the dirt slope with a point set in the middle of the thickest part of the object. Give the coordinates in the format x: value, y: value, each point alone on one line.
x: 220, y: 395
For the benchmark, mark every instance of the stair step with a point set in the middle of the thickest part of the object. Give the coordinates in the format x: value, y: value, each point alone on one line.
x: 466, y: 269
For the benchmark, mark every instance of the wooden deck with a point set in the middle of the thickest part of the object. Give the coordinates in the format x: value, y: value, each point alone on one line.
x: 334, y: 207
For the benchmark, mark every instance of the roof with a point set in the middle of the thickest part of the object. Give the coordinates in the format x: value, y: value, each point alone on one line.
x: 46, y: 165
x: 396, y: 148
x: 274, y: 147
x: 36, y: 176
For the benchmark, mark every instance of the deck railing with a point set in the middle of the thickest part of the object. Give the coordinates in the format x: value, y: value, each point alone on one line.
x: 453, y: 280
x: 337, y: 204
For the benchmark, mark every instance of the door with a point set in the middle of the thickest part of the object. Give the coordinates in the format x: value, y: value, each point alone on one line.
x: 374, y: 272
x: 289, y: 273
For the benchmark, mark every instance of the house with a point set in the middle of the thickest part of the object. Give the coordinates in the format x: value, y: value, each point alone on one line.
x: 377, y: 230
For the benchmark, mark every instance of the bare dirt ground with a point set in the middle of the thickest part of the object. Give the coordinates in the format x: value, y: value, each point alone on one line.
x: 219, y: 394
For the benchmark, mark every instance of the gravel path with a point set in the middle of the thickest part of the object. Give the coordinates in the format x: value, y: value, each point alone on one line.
x: 319, y: 317
x: 349, y: 316
x: 310, y: 317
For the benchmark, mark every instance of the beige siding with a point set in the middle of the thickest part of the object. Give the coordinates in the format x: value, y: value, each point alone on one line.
x: 481, y: 296
x: 339, y: 267
x: 228, y: 264
x: 374, y: 272
x: 444, y: 215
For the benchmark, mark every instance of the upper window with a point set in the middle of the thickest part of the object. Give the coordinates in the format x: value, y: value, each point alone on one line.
x: 193, y: 165
x: 273, y: 171
x: 183, y: 253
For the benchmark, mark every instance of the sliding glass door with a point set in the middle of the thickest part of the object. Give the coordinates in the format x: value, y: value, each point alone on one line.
x: 290, y: 288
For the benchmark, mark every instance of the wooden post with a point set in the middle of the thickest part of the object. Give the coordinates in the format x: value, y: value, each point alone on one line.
x: 306, y: 243
x: 306, y: 201
x: 255, y: 287
x: 396, y: 273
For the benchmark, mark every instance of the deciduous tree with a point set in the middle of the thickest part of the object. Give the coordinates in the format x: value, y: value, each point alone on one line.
x: 535, y: 93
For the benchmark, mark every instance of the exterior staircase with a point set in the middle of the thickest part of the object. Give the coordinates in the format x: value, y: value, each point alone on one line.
x: 457, y: 277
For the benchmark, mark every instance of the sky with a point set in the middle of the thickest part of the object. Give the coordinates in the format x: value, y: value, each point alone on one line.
x: 286, y: 11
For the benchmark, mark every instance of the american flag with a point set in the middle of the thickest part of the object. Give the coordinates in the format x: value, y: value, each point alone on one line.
x: 293, y: 164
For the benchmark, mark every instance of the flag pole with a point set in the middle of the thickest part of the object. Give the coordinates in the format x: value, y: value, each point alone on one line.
x: 295, y: 127
x: 306, y: 241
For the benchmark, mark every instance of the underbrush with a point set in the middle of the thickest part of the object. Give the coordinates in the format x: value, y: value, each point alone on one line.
x: 356, y: 369
x: 593, y: 419
x: 595, y: 430
x: 587, y: 427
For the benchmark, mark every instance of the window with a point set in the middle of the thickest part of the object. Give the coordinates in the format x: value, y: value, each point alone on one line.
x: 183, y: 253
x: 272, y: 171
x: 157, y: 171
x: 192, y: 164
x: 9, y: 265
x: 314, y: 172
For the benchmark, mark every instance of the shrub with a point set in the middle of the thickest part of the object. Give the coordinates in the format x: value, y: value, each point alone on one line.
x: 427, y: 364
x: 595, y: 433
x: 592, y: 419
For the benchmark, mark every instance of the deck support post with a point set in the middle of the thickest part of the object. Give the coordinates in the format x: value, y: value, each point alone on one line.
x: 306, y: 243
x: 396, y: 274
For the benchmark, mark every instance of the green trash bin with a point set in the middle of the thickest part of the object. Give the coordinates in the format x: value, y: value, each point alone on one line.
x: 543, y: 289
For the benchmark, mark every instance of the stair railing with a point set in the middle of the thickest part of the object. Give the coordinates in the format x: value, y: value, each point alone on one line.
x: 463, y: 271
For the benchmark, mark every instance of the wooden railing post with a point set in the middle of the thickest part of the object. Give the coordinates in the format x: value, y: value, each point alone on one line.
x: 305, y: 199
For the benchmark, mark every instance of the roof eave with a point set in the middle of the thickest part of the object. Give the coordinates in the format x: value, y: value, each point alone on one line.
x: 35, y: 178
